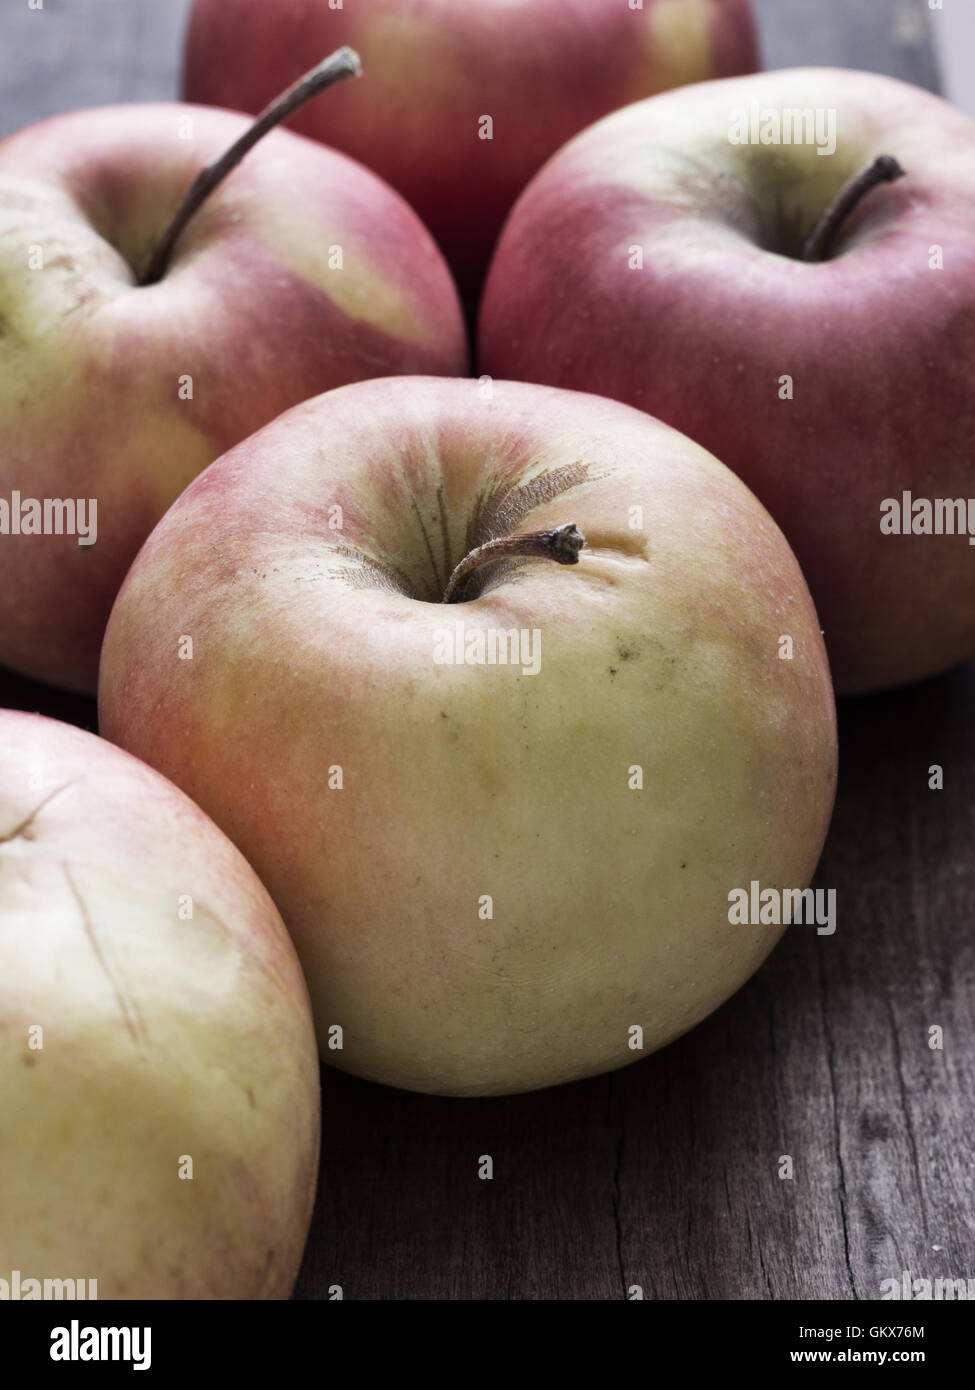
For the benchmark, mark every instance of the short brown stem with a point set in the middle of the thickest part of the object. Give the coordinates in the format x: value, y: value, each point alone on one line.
x: 561, y: 545
x: 884, y: 169
x: 344, y: 62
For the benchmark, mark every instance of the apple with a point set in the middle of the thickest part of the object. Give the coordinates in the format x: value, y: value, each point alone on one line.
x: 660, y: 259
x: 540, y: 70
x: 301, y: 272
x: 502, y: 830
x: 158, y: 1067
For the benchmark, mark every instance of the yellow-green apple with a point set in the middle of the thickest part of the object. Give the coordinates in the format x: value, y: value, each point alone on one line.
x: 501, y: 830
x: 301, y: 272
x: 736, y: 261
x: 466, y: 99
x: 158, y: 1070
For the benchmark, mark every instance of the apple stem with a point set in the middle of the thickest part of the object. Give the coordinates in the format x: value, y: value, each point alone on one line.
x: 561, y: 545
x: 344, y: 62
x: 884, y: 169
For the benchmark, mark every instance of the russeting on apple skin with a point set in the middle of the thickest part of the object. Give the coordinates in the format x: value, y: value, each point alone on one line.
x: 439, y: 70
x: 301, y: 272
x: 656, y: 261
x: 159, y: 1086
x: 491, y: 871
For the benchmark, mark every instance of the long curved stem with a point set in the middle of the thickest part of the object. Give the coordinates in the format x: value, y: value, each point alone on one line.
x: 344, y: 62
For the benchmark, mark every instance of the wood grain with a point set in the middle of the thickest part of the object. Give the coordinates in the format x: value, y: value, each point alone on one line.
x: 665, y: 1175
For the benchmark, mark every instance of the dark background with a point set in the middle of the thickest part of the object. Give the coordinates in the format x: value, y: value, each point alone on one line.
x: 665, y: 1175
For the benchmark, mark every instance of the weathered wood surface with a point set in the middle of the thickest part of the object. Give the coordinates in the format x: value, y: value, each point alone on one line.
x: 666, y: 1175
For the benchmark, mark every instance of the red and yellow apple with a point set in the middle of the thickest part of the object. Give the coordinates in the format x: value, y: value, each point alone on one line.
x: 301, y: 272
x: 158, y: 1070
x: 465, y: 99
x: 502, y: 831
x: 658, y: 259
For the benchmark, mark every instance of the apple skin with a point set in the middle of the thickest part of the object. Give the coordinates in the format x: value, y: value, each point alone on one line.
x: 659, y: 648
x: 542, y: 69
x: 880, y: 346
x: 162, y: 1037
x: 91, y: 364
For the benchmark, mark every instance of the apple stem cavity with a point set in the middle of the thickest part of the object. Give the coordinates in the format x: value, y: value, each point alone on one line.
x: 344, y: 62
x: 884, y: 169
x: 561, y: 545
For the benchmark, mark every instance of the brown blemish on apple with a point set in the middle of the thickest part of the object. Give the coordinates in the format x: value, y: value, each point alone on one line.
x: 23, y: 830
x: 129, y: 1011
x: 628, y: 651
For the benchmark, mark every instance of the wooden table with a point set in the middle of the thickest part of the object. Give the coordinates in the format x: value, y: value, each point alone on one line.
x: 666, y: 1175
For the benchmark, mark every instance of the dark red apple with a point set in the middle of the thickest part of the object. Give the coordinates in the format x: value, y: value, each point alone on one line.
x: 440, y: 70
x: 659, y: 260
